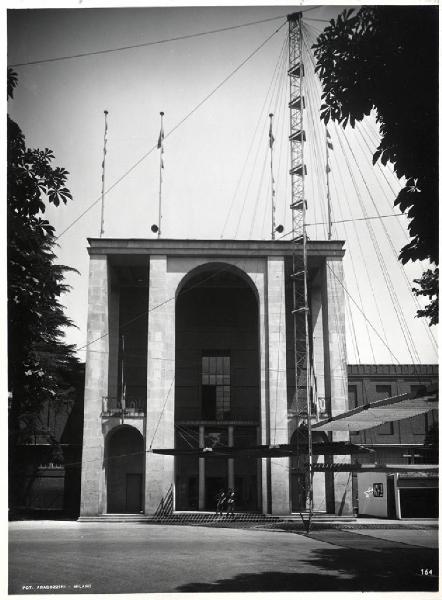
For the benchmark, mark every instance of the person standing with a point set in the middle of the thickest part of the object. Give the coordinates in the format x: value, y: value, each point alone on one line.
x: 230, y: 503
x: 220, y: 502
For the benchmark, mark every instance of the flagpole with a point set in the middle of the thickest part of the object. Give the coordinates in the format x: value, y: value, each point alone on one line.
x: 123, y: 391
x: 160, y: 145
x: 103, y: 165
x: 271, y: 140
x: 327, y: 171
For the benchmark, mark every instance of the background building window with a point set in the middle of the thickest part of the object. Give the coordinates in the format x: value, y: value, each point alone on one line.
x: 352, y: 396
x: 384, y: 391
x: 215, y: 389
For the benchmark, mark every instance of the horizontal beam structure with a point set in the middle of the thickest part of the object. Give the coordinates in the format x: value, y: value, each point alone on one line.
x: 419, y: 471
x: 382, y: 411
x: 213, y: 248
x: 272, y: 451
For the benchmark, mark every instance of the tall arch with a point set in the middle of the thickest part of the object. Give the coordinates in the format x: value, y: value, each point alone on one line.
x: 124, y: 467
x: 217, y: 386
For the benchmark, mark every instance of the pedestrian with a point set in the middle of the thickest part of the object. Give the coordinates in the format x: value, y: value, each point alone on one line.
x: 230, y: 503
x: 220, y: 502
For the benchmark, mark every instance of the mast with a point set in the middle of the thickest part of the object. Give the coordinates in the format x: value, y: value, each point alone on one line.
x: 303, y: 394
x: 328, y: 145
x: 271, y: 141
x: 161, y: 148
x: 103, y: 165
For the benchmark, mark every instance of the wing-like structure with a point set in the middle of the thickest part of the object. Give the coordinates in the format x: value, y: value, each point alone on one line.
x: 267, y: 451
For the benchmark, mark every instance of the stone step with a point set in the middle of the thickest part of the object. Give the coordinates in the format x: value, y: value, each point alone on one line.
x: 206, y: 517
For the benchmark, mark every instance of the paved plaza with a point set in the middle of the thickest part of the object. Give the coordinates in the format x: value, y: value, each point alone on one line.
x: 72, y: 557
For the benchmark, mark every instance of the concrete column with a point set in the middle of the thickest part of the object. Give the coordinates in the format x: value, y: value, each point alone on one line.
x: 230, y: 461
x: 114, y: 342
x: 160, y: 383
x: 96, y: 386
x: 260, y: 462
x: 334, y: 326
x: 319, y: 485
x: 277, y: 387
x: 201, y: 473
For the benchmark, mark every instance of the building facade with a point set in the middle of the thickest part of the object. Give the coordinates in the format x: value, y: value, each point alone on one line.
x: 412, y: 441
x: 190, y: 344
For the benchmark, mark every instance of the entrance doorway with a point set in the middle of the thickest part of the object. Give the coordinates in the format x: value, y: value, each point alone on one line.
x: 217, y: 386
x: 134, y: 492
x: 124, y: 470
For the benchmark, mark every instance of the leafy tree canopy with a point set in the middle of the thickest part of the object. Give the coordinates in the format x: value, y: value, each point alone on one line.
x: 40, y: 361
x: 386, y: 58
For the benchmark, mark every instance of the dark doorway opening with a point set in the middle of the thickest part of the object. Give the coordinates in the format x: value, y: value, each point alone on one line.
x: 124, y: 470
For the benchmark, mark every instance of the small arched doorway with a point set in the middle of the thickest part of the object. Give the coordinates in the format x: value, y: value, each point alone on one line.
x: 124, y: 470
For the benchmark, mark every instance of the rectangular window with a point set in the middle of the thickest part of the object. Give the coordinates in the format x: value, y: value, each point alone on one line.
x: 384, y: 391
x: 215, y: 388
x: 352, y: 396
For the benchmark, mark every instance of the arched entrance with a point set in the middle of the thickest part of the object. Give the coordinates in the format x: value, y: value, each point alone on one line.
x: 217, y: 386
x: 124, y: 470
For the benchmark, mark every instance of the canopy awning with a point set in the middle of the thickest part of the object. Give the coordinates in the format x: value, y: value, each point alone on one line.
x: 416, y: 471
x: 267, y: 451
x: 382, y: 411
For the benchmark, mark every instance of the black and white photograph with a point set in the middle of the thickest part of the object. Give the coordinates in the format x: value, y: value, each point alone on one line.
x: 222, y: 299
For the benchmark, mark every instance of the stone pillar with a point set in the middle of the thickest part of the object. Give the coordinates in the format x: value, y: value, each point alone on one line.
x: 334, y: 326
x: 96, y: 386
x: 277, y: 388
x: 159, y: 421
x: 319, y: 487
x: 201, y: 473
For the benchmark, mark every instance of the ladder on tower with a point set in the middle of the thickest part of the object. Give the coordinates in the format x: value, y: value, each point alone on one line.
x: 299, y: 276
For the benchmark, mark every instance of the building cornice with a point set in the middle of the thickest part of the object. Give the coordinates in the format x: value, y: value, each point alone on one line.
x: 244, y: 248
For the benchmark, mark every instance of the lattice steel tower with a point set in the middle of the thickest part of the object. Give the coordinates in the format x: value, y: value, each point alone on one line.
x: 300, y: 266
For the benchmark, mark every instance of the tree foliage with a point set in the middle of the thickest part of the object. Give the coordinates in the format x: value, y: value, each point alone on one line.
x: 39, y: 360
x: 386, y: 58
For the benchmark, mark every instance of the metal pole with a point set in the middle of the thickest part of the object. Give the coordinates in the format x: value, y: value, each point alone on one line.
x: 160, y: 145
x: 327, y: 171
x: 103, y: 165
x: 271, y: 140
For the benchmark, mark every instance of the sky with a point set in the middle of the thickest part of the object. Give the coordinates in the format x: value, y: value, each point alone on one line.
x: 216, y: 177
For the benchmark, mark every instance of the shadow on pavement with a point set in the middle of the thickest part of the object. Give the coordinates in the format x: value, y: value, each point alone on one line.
x: 353, y: 563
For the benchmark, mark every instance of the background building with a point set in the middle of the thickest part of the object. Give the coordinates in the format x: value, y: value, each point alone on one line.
x: 47, y: 471
x: 412, y: 441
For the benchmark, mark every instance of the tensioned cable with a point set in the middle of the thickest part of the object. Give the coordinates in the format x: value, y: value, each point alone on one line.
x: 352, y: 262
x: 313, y: 224
x: 395, y: 254
x: 259, y: 146
x: 394, y: 192
x: 363, y: 259
x: 373, y: 238
x: 395, y: 302
x: 367, y: 123
x: 280, y: 143
x: 162, y: 411
x: 279, y: 128
x: 319, y: 137
x: 274, y: 75
x: 171, y: 131
x: 145, y: 44
x: 362, y: 253
x: 394, y: 296
x: 275, y: 102
x: 144, y: 313
x: 362, y: 312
